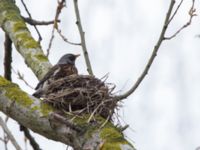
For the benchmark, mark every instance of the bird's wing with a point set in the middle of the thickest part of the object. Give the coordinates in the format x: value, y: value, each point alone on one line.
x: 47, y: 76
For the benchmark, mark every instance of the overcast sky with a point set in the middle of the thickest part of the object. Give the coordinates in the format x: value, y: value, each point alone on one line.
x: 163, y: 113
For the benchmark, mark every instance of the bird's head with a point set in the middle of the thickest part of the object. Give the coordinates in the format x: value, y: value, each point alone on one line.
x: 68, y: 59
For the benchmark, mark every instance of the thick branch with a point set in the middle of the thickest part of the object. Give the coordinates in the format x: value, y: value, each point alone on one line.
x: 82, y: 36
x: 153, y: 55
x: 12, y: 23
x: 41, y: 118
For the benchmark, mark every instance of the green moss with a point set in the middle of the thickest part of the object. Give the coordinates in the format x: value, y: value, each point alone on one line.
x: 3, y: 81
x: 46, y: 109
x: 19, y: 26
x: 35, y: 108
x: 112, y: 138
x: 14, y: 93
x: 41, y: 57
x: 110, y: 133
x: 11, y: 12
x: 25, y: 40
x: 111, y: 146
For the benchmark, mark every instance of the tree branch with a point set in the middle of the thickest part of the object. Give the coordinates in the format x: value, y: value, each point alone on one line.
x: 153, y: 55
x: 27, y: 134
x: 7, y: 75
x: 36, y: 22
x: 12, y: 23
x: 29, y: 14
x: 192, y: 13
x: 59, y: 8
x: 41, y: 118
x: 7, y: 57
x: 82, y: 36
x: 9, y: 134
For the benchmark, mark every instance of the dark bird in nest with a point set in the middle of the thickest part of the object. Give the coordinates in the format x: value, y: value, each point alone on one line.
x: 64, y: 67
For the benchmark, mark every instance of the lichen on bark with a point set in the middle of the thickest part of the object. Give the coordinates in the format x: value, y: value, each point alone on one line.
x: 13, y: 24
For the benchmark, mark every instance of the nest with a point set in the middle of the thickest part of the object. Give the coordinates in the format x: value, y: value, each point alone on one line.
x: 81, y: 94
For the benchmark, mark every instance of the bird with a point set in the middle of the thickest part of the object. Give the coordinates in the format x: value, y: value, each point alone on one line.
x: 64, y: 67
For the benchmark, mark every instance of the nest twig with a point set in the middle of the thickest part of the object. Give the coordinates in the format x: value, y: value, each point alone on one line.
x: 81, y: 94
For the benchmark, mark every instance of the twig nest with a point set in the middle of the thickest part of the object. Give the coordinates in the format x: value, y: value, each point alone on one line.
x: 81, y: 94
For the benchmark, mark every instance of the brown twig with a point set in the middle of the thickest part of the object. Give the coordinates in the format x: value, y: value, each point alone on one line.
x: 50, y: 42
x: 191, y: 14
x: 9, y: 134
x: 153, y: 55
x: 21, y: 77
x: 36, y: 22
x: 82, y: 36
x: 65, y: 39
x: 175, y: 12
x: 29, y: 14
x: 59, y: 8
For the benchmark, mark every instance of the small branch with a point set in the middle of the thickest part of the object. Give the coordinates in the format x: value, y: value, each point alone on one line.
x: 21, y: 77
x: 7, y: 57
x: 9, y: 134
x: 50, y: 42
x: 66, y: 40
x: 153, y: 55
x: 36, y: 22
x: 191, y: 14
x: 27, y: 134
x: 175, y: 12
x: 59, y: 8
x: 82, y: 36
x: 29, y: 14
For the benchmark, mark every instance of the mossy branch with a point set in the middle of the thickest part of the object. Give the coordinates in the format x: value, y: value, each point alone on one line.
x: 14, y: 26
x: 40, y: 118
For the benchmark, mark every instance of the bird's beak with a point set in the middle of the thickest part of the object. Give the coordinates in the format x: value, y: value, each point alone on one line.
x: 77, y: 55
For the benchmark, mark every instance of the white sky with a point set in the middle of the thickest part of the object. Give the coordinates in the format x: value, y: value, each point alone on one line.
x: 164, y: 111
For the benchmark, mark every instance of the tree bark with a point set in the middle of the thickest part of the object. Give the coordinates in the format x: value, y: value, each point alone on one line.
x: 14, y: 26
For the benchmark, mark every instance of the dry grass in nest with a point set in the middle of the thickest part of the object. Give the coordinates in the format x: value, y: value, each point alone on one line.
x: 81, y: 94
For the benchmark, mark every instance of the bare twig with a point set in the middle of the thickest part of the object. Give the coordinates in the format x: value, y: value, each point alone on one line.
x: 27, y: 134
x: 7, y: 57
x: 66, y: 40
x: 175, y: 12
x: 59, y: 8
x: 50, y: 42
x: 82, y: 36
x: 5, y: 140
x: 21, y: 77
x: 9, y: 134
x: 36, y: 22
x: 153, y: 55
x: 191, y: 14
x: 29, y: 14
